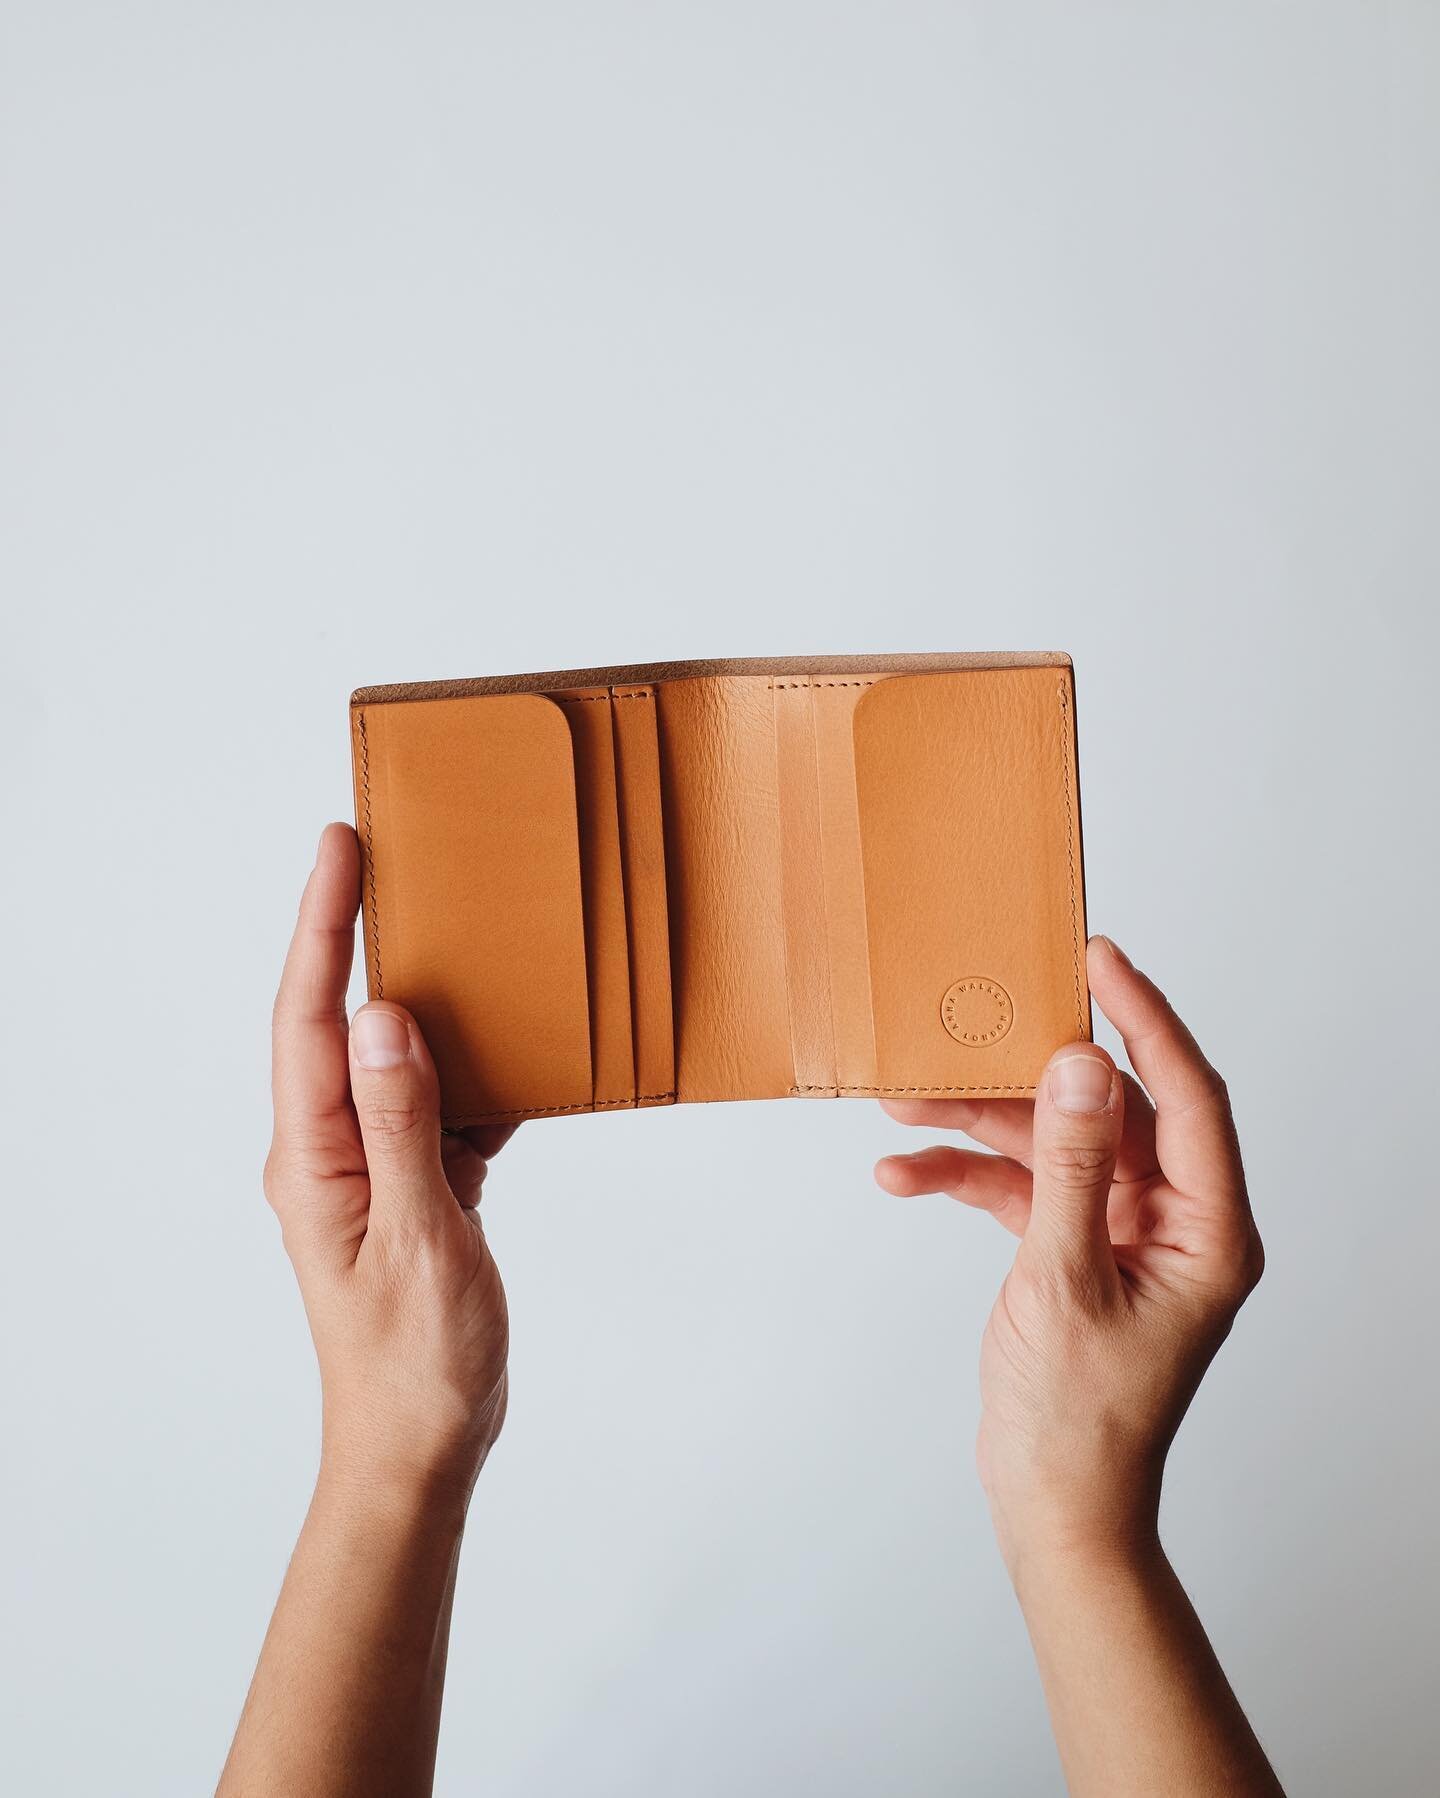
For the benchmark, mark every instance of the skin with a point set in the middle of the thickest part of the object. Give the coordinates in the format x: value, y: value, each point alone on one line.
x: 1137, y: 1248
x: 408, y: 1317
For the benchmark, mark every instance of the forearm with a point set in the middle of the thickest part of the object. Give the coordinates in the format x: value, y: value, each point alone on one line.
x: 346, y: 1698
x: 1138, y: 1702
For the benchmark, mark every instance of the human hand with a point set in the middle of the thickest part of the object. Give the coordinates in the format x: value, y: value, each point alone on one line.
x: 379, y: 1218
x: 1137, y: 1249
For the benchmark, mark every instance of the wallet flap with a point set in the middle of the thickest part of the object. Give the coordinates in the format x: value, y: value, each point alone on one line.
x: 471, y: 886
x: 969, y: 834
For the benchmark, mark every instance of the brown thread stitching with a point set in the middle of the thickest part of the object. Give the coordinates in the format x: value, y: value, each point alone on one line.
x: 659, y: 1098
x: 591, y: 698
x: 602, y: 698
x: 824, y: 883
x: 535, y: 1111
x: 912, y: 1089
x: 784, y: 685
x: 1070, y: 852
x: 370, y: 854
x: 808, y: 685
x: 622, y: 856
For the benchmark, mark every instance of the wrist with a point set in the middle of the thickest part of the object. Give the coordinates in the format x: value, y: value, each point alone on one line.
x: 385, y: 1499
x: 386, y: 1482
x: 1112, y: 1523
x: 410, y: 1457
x: 1045, y: 1560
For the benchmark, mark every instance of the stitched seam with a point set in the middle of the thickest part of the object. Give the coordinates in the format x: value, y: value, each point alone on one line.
x: 1070, y: 852
x: 785, y: 812
x: 784, y: 684
x: 622, y: 851
x: 593, y: 698
x: 535, y: 1111
x: 896, y: 1090
x: 824, y: 884
x: 370, y: 854
x: 658, y: 1098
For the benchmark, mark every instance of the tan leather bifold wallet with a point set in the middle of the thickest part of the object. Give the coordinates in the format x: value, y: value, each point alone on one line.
x: 726, y: 880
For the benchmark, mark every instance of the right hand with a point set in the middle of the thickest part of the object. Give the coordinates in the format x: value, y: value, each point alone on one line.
x: 1137, y: 1249
x: 380, y: 1218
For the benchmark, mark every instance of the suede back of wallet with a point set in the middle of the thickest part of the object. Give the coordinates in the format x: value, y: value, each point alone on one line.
x: 619, y: 887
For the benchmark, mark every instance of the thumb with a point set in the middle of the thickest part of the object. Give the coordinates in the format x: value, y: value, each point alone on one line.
x: 1079, y: 1112
x: 397, y: 1101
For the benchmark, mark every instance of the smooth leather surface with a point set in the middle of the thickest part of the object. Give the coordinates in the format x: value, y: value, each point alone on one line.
x: 728, y: 880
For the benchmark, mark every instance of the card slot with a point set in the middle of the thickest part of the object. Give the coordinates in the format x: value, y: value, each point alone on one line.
x: 842, y: 877
x: 802, y: 874
x: 647, y: 915
x: 965, y: 790
x: 473, y: 911
x: 607, y: 947
x: 827, y: 948
x: 724, y: 888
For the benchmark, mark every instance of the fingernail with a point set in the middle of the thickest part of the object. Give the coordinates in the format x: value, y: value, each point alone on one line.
x: 1116, y: 951
x: 379, y: 1039
x: 1080, y: 1083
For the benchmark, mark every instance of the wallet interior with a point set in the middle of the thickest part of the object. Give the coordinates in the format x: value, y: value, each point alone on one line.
x: 627, y: 887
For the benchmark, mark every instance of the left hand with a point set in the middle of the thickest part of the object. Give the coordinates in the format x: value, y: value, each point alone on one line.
x: 380, y: 1218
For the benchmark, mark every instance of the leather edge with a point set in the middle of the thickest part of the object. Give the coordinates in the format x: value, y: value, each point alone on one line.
x: 369, y: 899
x: 1082, y: 919
x: 653, y: 673
x: 466, y: 1121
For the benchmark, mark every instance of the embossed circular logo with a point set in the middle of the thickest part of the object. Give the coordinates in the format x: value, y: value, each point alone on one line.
x: 977, y: 1011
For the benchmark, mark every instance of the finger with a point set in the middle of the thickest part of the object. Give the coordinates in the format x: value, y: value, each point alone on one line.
x: 1195, y: 1142
x: 1079, y: 1113
x: 1001, y: 1124
x: 487, y: 1139
x: 310, y: 1079
x: 988, y: 1182
x: 464, y: 1167
x: 1137, y: 1159
x: 1007, y: 1125
x: 466, y: 1155
x: 397, y: 1101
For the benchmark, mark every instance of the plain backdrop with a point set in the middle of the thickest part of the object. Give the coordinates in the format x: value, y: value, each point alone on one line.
x: 357, y: 343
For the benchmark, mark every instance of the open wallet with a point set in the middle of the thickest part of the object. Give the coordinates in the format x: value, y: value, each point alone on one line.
x: 622, y: 887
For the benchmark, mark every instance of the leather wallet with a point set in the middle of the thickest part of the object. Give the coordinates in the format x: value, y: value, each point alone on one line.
x: 619, y: 887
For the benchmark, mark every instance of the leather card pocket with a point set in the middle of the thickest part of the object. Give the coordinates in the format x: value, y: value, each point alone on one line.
x: 647, y: 915
x: 607, y: 953
x: 969, y: 838
x: 473, y: 913
x: 724, y: 885
x: 826, y: 952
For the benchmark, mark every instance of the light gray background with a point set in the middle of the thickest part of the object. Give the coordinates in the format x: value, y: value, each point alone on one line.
x: 355, y: 343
